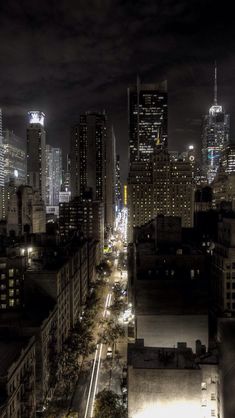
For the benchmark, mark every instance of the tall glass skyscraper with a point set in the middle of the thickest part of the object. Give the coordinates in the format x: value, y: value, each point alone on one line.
x: 1, y: 153
x: 147, y: 119
x: 215, y: 136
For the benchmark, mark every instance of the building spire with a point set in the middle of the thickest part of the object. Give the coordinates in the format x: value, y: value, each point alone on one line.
x: 215, y: 86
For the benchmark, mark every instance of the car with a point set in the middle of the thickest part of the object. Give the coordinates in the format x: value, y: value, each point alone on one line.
x: 109, y: 352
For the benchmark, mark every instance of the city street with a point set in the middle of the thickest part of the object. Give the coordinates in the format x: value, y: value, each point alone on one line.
x: 100, y: 372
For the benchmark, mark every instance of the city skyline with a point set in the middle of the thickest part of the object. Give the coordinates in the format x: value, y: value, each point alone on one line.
x: 117, y: 209
x: 63, y: 80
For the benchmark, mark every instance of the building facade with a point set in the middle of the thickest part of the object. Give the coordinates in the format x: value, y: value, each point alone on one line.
x: 172, y: 382
x: 36, y: 153
x: 228, y: 158
x: 53, y: 175
x: 147, y: 119
x: 215, y: 136
x: 2, y: 175
x: 223, y: 267
x: 26, y: 212
x: 82, y: 217
x: 12, y: 270
x: 17, y: 378
x: 160, y: 187
x: 93, y: 156
x: 14, y: 158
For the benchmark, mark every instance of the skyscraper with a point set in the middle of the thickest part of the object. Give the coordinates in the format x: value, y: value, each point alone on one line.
x: 160, y: 187
x: 1, y: 153
x: 147, y: 119
x: 118, y: 185
x: 14, y: 158
x: 36, y: 152
x: 93, y: 160
x: 87, y: 154
x: 53, y: 175
x: 215, y: 136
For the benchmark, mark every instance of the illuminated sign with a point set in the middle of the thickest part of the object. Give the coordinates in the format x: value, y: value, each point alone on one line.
x: 36, y: 117
x: 16, y: 174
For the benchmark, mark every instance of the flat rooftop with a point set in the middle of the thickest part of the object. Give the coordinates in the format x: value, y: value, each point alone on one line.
x: 141, y: 357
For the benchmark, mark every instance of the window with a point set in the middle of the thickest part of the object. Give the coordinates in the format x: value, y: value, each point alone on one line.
x: 213, y: 413
x: 213, y: 397
x: 11, y: 272
x: 203, y: 386
x: 204, y: 402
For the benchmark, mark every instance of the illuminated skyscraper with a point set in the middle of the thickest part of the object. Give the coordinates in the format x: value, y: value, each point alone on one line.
x: 36, y: 153
x: 1, y: 153
x: 147, y: 119
x: 215, y: 136
x: 14, y: 158
x: 53, y: 175
x: 228, y: 158
x: 160, y: 187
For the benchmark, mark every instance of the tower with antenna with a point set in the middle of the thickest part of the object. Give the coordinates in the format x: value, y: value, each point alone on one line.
x: 215, y: 135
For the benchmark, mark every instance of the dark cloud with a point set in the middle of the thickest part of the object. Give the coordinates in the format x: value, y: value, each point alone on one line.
x: 69, y: 56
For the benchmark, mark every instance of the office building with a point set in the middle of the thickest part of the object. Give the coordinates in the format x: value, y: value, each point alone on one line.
x: 223, y: 187
x: 110, y: 179
x: 223, y: 267
x: 36, y: 153
x: 82, y: 217
x: 118, y: 186
x: 93, y: 161
x: 53, y: 175
x: 228, y: 158
x: 215, y: 136
x: 26, y: 212
x: 14, y: 158
x: 2, y: 176
x: 88, y: 155
x: 66, y: 180
x: 182, y: 192
x: 160, y: 187
x: 147, y: 119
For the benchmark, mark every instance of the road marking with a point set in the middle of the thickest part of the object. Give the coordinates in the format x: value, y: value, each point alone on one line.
x: 98, y: 348
x: 91, y: 382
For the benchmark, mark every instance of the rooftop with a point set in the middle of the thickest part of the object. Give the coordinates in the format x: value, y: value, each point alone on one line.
x: 141, y: 357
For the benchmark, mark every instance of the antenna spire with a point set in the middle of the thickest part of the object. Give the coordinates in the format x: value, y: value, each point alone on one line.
x: 215, y: 86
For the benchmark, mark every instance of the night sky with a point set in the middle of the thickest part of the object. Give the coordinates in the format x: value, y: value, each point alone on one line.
x: 66, y: 57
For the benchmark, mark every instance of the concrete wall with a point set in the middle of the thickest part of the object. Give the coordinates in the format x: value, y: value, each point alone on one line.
x: 158, y: 393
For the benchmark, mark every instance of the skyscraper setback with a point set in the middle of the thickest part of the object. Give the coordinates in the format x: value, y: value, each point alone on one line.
x: 215, y: 136
x: 147, y: 119
x: 36, y: 152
